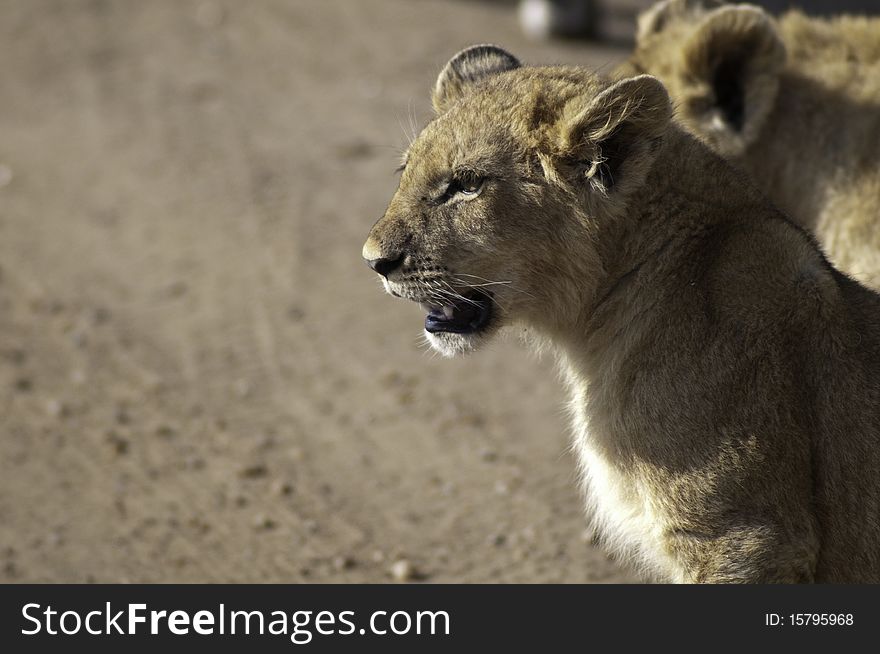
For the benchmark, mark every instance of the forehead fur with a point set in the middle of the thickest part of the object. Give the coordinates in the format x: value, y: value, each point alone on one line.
x: 522, y: 105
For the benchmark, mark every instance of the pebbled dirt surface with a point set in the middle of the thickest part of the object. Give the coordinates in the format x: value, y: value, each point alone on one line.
x: 200, y: 381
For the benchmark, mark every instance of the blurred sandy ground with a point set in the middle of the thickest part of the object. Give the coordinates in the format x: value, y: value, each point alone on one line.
x: 200, y: 380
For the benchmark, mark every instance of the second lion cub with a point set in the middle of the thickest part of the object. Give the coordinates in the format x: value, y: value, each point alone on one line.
x: 794, y: 102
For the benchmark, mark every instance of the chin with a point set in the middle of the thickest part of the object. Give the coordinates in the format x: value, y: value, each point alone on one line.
x: 452, y: 345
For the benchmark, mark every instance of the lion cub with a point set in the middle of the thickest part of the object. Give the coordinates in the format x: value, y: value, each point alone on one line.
x: 795, y: 103
x: 724, y: 377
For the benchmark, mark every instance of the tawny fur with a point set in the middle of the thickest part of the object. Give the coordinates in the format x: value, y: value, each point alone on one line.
x: 724, y: 378
x: 810, y: 95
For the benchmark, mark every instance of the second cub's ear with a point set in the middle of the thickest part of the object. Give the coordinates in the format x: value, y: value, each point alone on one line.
x: 731, y: 67
x: 656, y: 18
x: 612, y: 139
x: 468, y: 68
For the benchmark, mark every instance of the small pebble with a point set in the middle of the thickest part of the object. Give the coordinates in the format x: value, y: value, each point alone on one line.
x: 341, y: 563
x: 56, y: 408
x: 488, y: 455
x: 282, y: 488
x: 254, y: 471
x: 264, y: 522
x: 402, y: 570
x: 243, y: 388
x: 118, y: 443
x: 497, y: 540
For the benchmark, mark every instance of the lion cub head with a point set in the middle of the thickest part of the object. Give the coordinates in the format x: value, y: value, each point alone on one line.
x: 504, y: 193
x: 720, y: 62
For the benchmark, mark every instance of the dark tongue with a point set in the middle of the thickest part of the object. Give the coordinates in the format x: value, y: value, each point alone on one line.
x: 464, y: 314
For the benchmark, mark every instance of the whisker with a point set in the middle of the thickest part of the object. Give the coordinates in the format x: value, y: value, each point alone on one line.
x: 425, y: 345
x: 481, y: 278
x: 471, y: 285
x: 457, y: 295
x: 408, y: 134
x: 413, y: 120
x: 489, y: 282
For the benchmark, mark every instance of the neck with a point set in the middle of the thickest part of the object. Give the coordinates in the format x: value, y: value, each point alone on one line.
x: 655, y: 240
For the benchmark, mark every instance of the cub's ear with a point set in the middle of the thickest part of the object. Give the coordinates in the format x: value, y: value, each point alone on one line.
x: 612, y: 139
x: 730, y: 68
x: 469, y: 67
x: 658, y: 17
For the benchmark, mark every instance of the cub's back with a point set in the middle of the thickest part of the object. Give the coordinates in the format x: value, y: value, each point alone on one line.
x: 847, y: 442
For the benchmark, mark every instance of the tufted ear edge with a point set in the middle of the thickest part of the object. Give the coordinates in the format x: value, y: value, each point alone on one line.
x: 614, y: 135
x: 469, y: 67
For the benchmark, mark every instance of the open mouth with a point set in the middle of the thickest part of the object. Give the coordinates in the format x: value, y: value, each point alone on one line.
x: 465, y: 316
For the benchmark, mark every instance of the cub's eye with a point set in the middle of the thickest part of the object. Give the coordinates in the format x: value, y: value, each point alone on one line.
x: 467, y: 186
x: 470, y: 186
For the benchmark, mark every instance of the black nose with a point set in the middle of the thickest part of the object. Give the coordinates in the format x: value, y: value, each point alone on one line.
x: 385, y: 266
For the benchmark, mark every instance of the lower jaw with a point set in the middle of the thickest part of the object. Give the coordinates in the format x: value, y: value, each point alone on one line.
x: 452, y: 344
